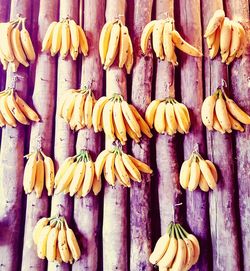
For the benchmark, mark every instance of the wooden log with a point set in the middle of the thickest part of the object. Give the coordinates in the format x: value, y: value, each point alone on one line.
x: 223, y: 221
x: 86, y: 210
x: 115, y: 254
x: 64, y: 145
x: 12, y: 165
x: 41, y: 132
x: 166, y: 157
x: 192, y: 96
x: 240, y: 91
x: 140, y: 194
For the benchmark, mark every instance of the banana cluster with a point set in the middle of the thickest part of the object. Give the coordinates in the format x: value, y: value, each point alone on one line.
x: 116, y: 165
x: 176, y: 250
x: 222, y: 114
x: 39, y: 171
x: 55, y: 240
x: 115, y: 41
x: 227, y: 35
x: 198, y: 172
x: 165, y: 38
x: 168, y: 116
x: 77, y: 176
x: 76, y: 106
x: 13, y: 108
x: 16, y: 46
x: 65, y: 37
x: 117, y: 118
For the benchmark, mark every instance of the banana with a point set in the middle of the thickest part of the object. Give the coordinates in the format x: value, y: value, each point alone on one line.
x: 121, y: 170
x: 184, y: 46
x: 39, y: 179
x: 236, y: 38
x: 78, y: 111
x: 113, y: 45
x: 62, y: 100
x: 97, y: 186
x: 118, y: 178
x: 51, y: 246
x: 215, y: 22
x: 213, y: 170
x: 88, y: 178
x: 68, y: 107
x: 217, y: 126
x: 109, y: 168
x: 99, y: 163
x: 151, y: 111
x: 56, y: 39
x: 206, y: 172
x: 216, y: 45
x: 78, y: 178
x: 118, y: 119
x: 131, y: 133
x: 49, y: 172
x: 47, y: 40
x: 88, y: 108
x: 65, y: 45
x: 58, y: 256
x: 230, y: 59
x: 158, y: 38
x: 167, y: 40
x: 225, y: 39
x: 147, y: 31
x: 107, y: 118
x: 207, y: 111
x: 63, y: 244
x: 73, y: 244
x: 130, y: 58
x: 29, y: 175
x: 210, y: 40
x: 185, y: 173
x: 5, y: 110
x: 83, y: 43
x: 160, y: 120
x: 97, y: 112
x: 123, y: 46
x: 235, y: 124
x: 27, y: 43
x: 194, y: 175
x: 182, y: 116
x: 140, y: 165
x: 42, y: 242
x: 74, y: 33
x: 104, y: 40
x: 73, y: 52
x: 41, y: 223
x: 62, y: 169
x: 131, y: 168
x: 243, y: 41
x: 170, y: 118
x: 203, y: 184
x: 5, y: 45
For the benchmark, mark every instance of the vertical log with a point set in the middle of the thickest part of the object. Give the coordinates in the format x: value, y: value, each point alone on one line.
x: 88, y: 207
x: 192, y: 97
x: 11, y: 166
x: 41, y: 132
x: 115, y: 254
x: 140, y: 220
x: 222, y: 200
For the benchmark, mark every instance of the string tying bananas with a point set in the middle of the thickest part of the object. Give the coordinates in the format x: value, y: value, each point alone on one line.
x: 118, y: 118
x: 176, y: 250
x: 117, y: 166
x: 116, y: 42
x: 16, y: 46
x: 222, y: 114
x: 77, y: 176
x: 65, y: 37
x: 76, y: 106
x: 164, y: 40
x: 39, y: 172
x: 168, y: 116
x: 55, y: 240
x: 198, y: 172
x: 226, y: 35
x: 13, y: 108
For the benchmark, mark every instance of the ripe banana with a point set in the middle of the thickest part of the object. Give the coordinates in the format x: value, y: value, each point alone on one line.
x: 99, y: 163
x: 97, y: 186
x: 130, y: 58
x: 74, y: 33
x: 62, y: 100
x: 243, y: 41
x: 235, y: 41
x: 207, y: 111
x: 73, y: 52
x: 217, y: 125
x: 185, y: 173
x: 131, y: 133
x: 216, y: 45
x: 41, y: 223
x: 68, y: 107
x: 210, y: 40
x: 65, y: 45
x: 203, y: 184
x: 73, y: 244
x: 235, y: 124
x: 56, y: 39
x: 213, y: 170
x: 194, y: 175
x: 167, y: 40
x: 62, y: 169
x: 7, y: 115
x: 63, y: 244
x: 118, y: 119
x: 49, y: 172
x: 77, y: 180
x: 83, y: 43
x: 124, y: 45
x: 182, y: 116
x: 39, y: 179
x: 5, y: 45
x: 160, y: 120
x: 170, y: 118
x: 151, y: 111
x: 206, y: 172
x: 131, y: 168
x: 109, y: 168
x: 140, y: 165
x: 121, y: 170
x: 215, y: 22
x: 104, y: 40
x: 225, y: 38
x: 29, y: 175
x: 88, y: 178
x: 27, y: 43
x: 47, y: 40
x: 42, y: 242
x: 97, y: 112
x: 51, y: 248
x: 88, y: 107
x: 147, y: 31
x: 107, y: 118
x: 158, y: 38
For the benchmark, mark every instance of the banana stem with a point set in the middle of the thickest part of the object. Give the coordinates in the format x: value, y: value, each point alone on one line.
x: 181, y: 232
x: 169, y: 227
x: 177, y: 232
x: 172, y: 234
x: 184, y: 231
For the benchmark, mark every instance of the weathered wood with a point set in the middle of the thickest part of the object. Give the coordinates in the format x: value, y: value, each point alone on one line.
x: 223, y: 223
x: 41, y: 132
x: 192, y: 96
x: 86, y: 210
x: 140, y: 193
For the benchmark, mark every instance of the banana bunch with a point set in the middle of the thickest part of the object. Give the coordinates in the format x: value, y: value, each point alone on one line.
x: 116, y: 165
x: 176, y: 250
x: 117, y: 118
x: 65, y: 37
x: 115, y: 41
x: 13, y: 108
x: 55, y: 240
x: 198, y: 172
x: 16, y: 46
x: 168, y: 116
x: 227, y: 35
x: 77, y: 176
x: 222, y: 114
x: 39, y: 171
x: 76, y: 106
x: 164, y: 40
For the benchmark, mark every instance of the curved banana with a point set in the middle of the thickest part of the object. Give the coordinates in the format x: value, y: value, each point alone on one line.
x: 56, y: 39
x: 77, y: 178
x: 109, y: 168
x: 185, y: 173
x: 207, y: 173
x: 150, y: 112
x: 207, y: 111
x: 74, y: 34
x: 49, y: 172
x: 140, y: 165
x: 73, y: 244
x: 118, y: 178
x: 65, y: 45
x: 217, y: 126
x: 225, y: 38
x: 62, y: 100
x: 88, y: 108
x: 158, y: 38
x: 99, y: 163
x: 170, y: 118
x: 27, y: 43
x: 121, y: 170
x: 41, y: 223
x: 5, y: 110
x: 78, y: 111
x: 222, y: 114
x: 160, y: 120
x: 73, y: 52
x: 62, y: 169
x: 123, y: 46
x: 97, y: 186
x: 118, y: 119
x: 194, y: 175
x: 216, y: 45
x: 42, y: 242
x: 167, y: 40
x: 97, y: 112
x: 47, y: 40
x: 39, y: 179
x: 215, y: 22
x: 182, y: 116
x: 160, y: 249
x: 107, y: 118
x: 131, y: 168
x: 213, y: 170
x: 243, y: 41
x: 63, y: 244
x: 131, y: 133
x: 29, y: 176
x: 210, y: 40
x: 235, y: 124
x: 88, y: 178
x: 203, y: 184
x: 5, y: 45
x: 83, y: 42
x: 147, y: 31
x: 51, y: 246
x: 196, y: 246
x: 130, y: 59
x: 104, y: 40
x: 236, y: 38
x: 68, y: 107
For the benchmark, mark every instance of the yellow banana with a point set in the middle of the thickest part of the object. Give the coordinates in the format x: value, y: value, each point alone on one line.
x: 68, y: 107
x: 63, y: 244
x: 73, y: 52
x: 47, y: 40
x: 39, y: 179
x: 140, y: 165
x: 158, y: 38
x: 235, y: 124
x: 225, y: 38
x: 121, y: 170
x: 29, y: 175
x: 182, y: 116
x: 124, y: 45
x: 65, y: 45
x: 160, y: 118
x: 97, y: 186
x: 62, y: 169
x: 5, y: 45
x: 130, y: 58
x: 88, y: 108
x: 56, y: 39
x: 97, y: 112
x: 203, y: 184
x: 104, y: 40
x: 74, y: 119
x: 78, y: 178
x: 5, y: 110
x: 194, y: 175
x: 78, y: 111
x: 131, y: 133
x: 42, y: 242
x: 243, y: 41
x: 27, y: 43
x: 160, y: 249
x: 83, y: 43
x: 170, y: 118
x: 41, y: 223
x: 88, y: 178
x: 109, y: 168
x: 99, y: 163
x: 131, y: 168
x: 210, y: 40
x: 118, y: 136
x: 49, y: 172
x: 147, y: 31
x: 215, y: 22
x: 207, y: 111
x: 73, y: 244
x: 62, y: 100
x: 51, y: 246
x: 107, y: 118
x: 217, y: 126
x: 74, y: 33
x: 236, y: 38
x: 216, y: 45
x: 206, y: 172
x: 150, y: 112
x: 167, y: 40
x: 118, y: 119
x: 213, y: 170
x: 185, y: 173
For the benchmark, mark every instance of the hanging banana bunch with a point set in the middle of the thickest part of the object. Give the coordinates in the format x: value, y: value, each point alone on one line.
x: 116, y: 165
x: 118, y: 118
x: 16, y: 46
x: 220, y: 113
x: 198, y: 172
x: 55, y: 240
x: 39, y: 172
x: 77, y: 176
x: 65, y: 37
x: 164, y: 40
x: 168, y: 116
x: 176, y: 249
x: 115, y: 41
x: 225, y: 35
x: 76, y: 106
x: 13, y: 108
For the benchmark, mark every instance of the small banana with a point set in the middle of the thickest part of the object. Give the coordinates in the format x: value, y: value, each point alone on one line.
x: 210, y: 40
x: 194, y: 175
x: 97, y: 112
x: 49, y: 172
x: 118, y: 119
x: 88, y: 178
x: 225, y: 39
x: 131, y: 133
x: 147, y: 31
x: 207, y: 111
x: 167, y: 40
x: 83, y: 43
x: 99, y: 163
x: 27, y: 43
x: 68, y: 107
x: 97, y: 186
x: 160, y: 120
x: 217, y: 126
x: 243, y: 41
x: 206, y: 172
x: 104, y: 40
x: 42, y: 242
x: 63, y: 244
x: 130, y: 58
x: 151, y: 111
x: 56, y: 39
x: 235, y: 41
x: 39, y: 179
x: 74, y: 53
x: 51, y: 249
x: 131, y: 168
x: 74, y: 33
x: 41, y: 223
x: 203, y: 184
x: 185, y: 173
x: 73, y: 244
x: 77, y: 178
x: 88, y: 108
x: 215, y: 22
x: 158, y: 38
x: 124, y: 45
x: 140, y: 165
x: 65, y: 45
x: 62, y: 101
x: 5, y: 45
x: 170, y: 118
x: 107, y: 118
x: 121, y: 170
x: 47, y: 40
x: 5, y: 110
x: 216, y: 45
x: 29, y: 176
x: 235, y: 124
x: 62, y: 169
x: 109, y: 168
x: 182, y: 116
x: 213, y: 170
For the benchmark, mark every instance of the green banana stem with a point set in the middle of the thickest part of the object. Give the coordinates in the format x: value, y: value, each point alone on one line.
x: 177, y: 232
x: 172, y: 234
x: 181, y: 232
x: 169, y: 227
x: 184, y: 231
